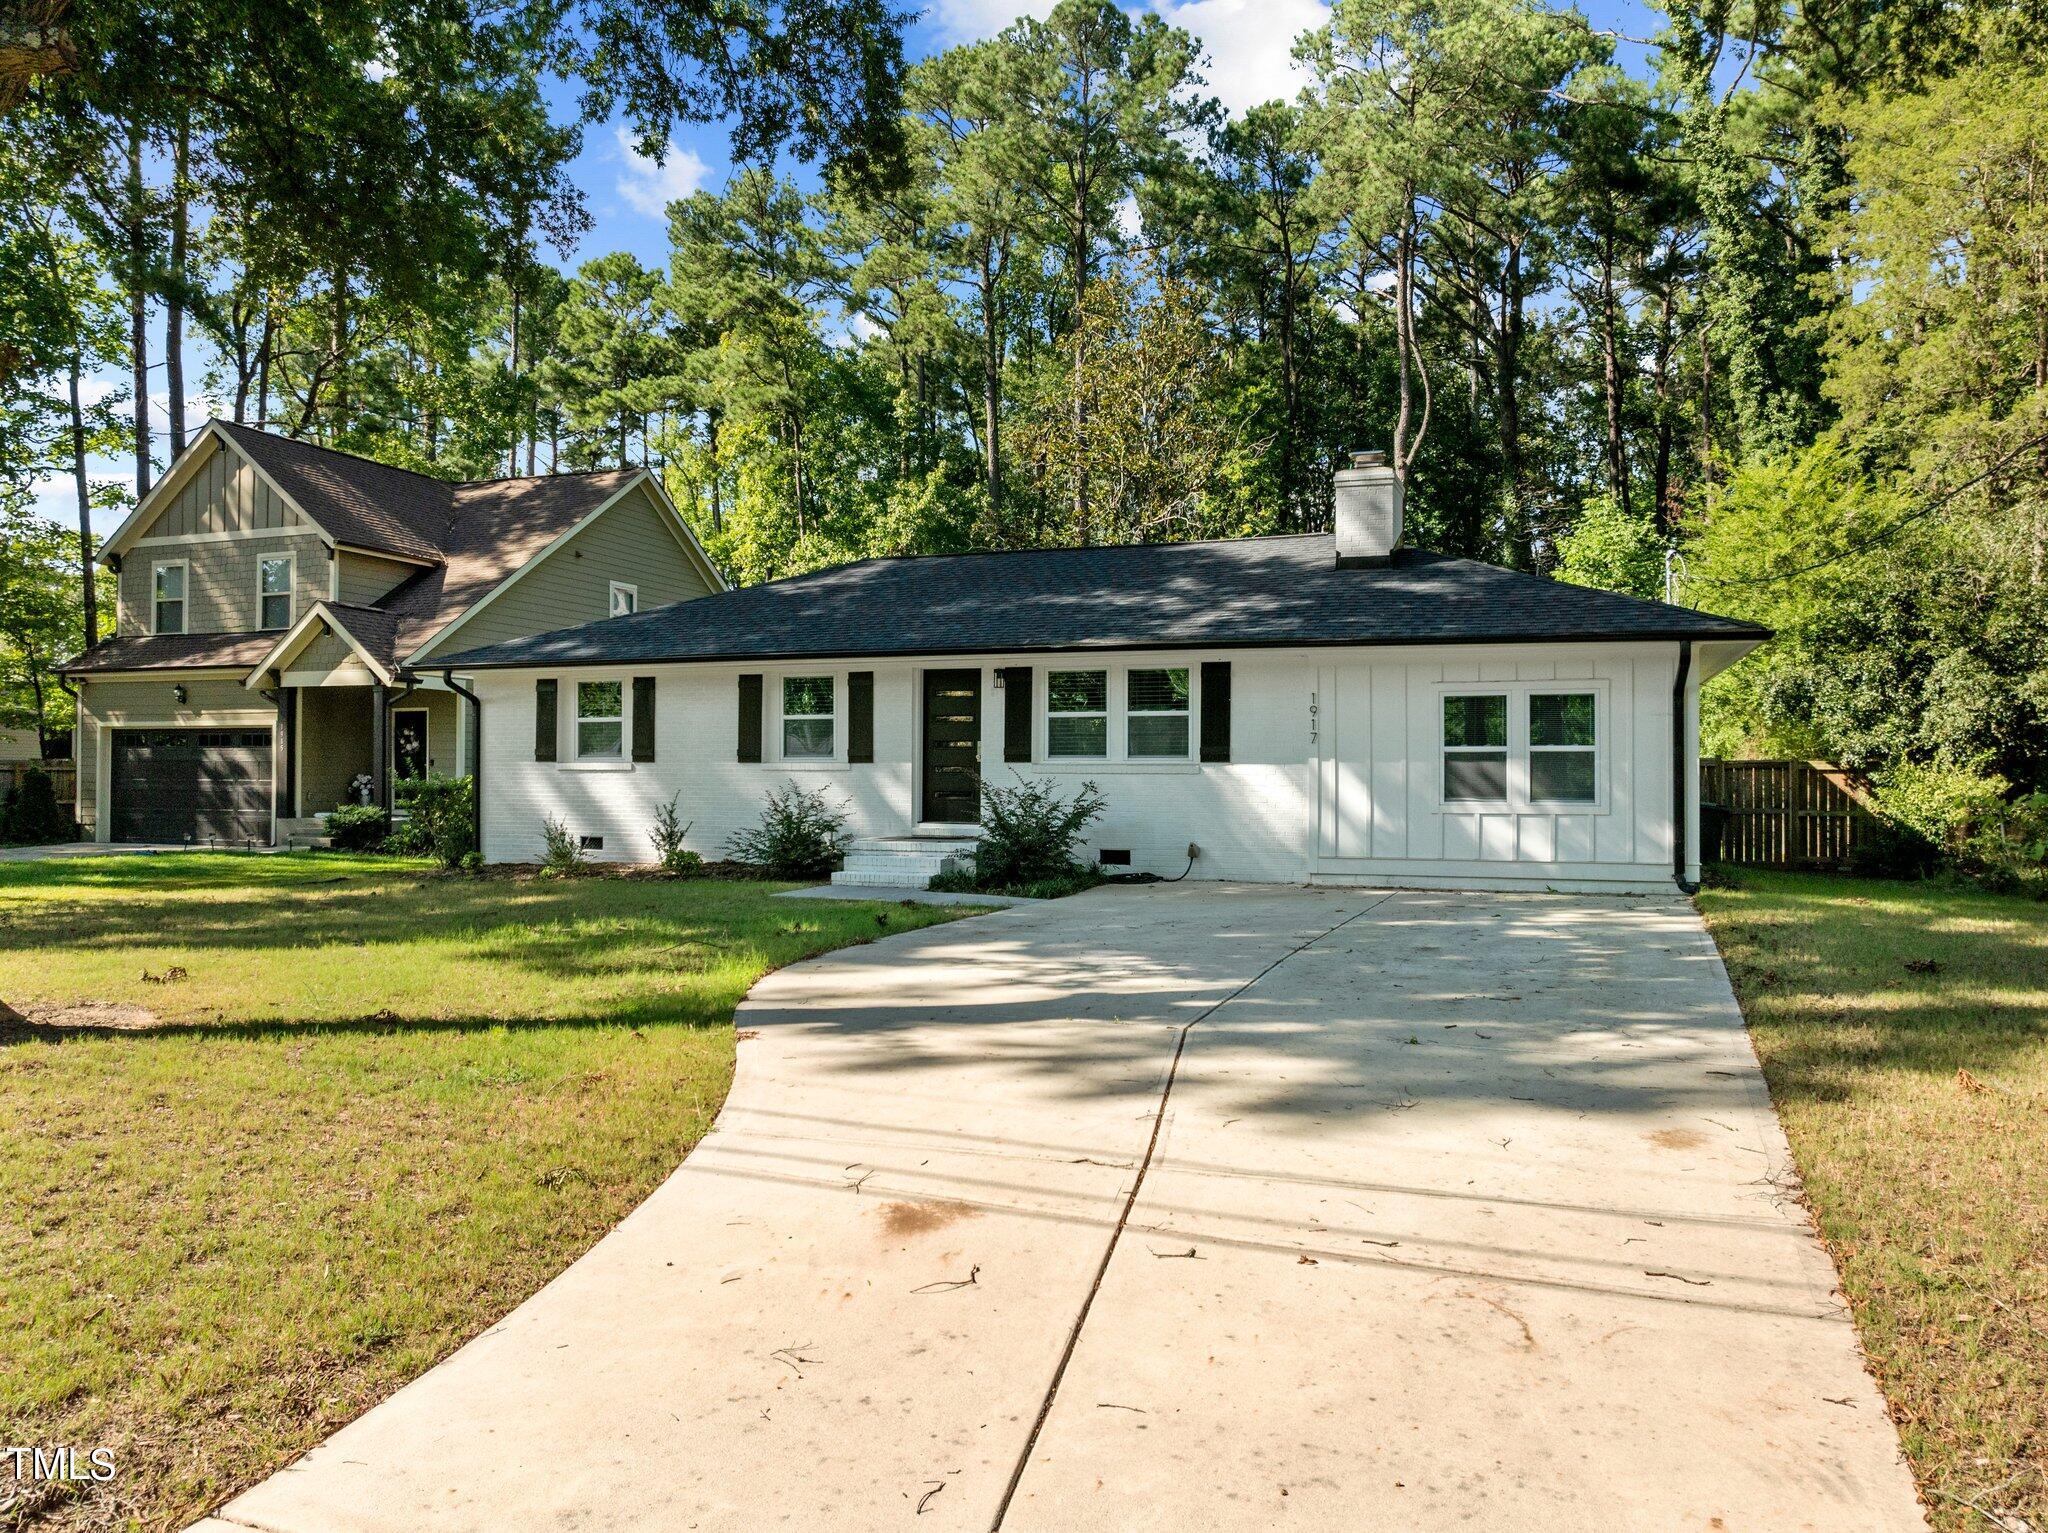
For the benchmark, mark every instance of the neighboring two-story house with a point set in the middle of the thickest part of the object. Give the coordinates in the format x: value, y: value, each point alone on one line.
x: 281, y: 606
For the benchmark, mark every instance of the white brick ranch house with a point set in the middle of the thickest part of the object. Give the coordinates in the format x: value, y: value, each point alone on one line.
x: 1324, y: 708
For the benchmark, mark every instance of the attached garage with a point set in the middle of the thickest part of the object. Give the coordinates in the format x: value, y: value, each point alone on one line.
x: 199, y: 785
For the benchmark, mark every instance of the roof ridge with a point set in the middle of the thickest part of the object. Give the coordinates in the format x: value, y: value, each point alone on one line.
x: 580, y: 473
x: 338, y: 452
x: 1068, y: 548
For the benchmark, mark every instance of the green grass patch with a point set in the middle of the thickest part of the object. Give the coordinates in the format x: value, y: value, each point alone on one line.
x: 305, y: 1124
x: 1904, y: 1030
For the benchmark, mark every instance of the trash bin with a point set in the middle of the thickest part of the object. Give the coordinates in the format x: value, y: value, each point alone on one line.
x: 1713, y: 821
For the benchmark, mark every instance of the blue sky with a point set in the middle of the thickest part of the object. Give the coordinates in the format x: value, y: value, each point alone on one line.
x: 1249, y: 43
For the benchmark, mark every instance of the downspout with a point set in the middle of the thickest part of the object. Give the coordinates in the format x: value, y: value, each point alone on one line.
x: 476, y: 774
x: 1679, y: 786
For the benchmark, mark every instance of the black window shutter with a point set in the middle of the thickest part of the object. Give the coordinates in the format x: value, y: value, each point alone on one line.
x: 1215, y: 710
x: 643, y: 718
x: 546, y: 713
x: 1016, y: 712
x: 860, y: 715
x: 750, y: 718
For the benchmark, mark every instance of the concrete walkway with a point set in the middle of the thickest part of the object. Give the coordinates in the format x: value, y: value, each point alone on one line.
x: 1463, y: 1210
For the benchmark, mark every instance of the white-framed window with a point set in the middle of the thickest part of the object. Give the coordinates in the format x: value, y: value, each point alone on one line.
x: 1475, y: 769
x: 1156, y: 713
x: 625, y: 599
x: 1564, y: 747
x: 274, y: 574
x: 1077, y: 715
x: 167, y: 597
x: 809, y: 727
x: 600, y: 720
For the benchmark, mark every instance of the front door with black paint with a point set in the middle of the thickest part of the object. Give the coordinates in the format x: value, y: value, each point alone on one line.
x: 951, y: 793
x: 408, y: 742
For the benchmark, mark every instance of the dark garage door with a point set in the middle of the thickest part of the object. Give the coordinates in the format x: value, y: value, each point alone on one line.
x: 171, y: 785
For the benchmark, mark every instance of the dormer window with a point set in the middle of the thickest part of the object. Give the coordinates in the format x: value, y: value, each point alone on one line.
x: 168, y: 587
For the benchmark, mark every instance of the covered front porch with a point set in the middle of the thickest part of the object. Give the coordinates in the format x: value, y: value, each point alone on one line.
x: 352, y: 724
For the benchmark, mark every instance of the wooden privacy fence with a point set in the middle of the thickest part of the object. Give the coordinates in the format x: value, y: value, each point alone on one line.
x: 1783, y: 814
x: 63, y: 778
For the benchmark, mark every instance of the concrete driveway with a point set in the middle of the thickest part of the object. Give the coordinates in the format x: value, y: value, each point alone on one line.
x: 1461, y: 1210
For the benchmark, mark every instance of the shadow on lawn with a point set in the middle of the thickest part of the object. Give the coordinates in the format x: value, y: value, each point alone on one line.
x: 1847, y: 976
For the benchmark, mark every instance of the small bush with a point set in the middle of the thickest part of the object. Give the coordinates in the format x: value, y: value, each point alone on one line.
x: 1028, y: 833
x: 668, y: 835
x: 800, y: 835
x: 31, y: 817
x: 561, y: 854
x: 358, y: 828
x: 442, y: 824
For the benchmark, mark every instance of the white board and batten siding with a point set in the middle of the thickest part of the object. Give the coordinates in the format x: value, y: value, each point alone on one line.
x: 1335, y: 772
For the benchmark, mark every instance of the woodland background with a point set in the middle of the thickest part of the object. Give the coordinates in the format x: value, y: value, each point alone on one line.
x: 1773, y: 296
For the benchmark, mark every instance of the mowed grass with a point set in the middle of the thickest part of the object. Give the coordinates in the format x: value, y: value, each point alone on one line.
x: 377, y: 1109
x: 1904, y: 1031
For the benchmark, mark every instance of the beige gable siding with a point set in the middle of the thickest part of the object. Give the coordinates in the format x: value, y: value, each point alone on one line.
x: 220, y: 581
x: 632, y: 542
x: 324, y: 654
x: 224, y: 495
x: 364, y: 579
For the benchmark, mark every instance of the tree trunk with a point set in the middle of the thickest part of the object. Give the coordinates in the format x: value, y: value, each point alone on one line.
x: 1404, y: 334
x: 1078, y: 411
x: 1507, y: 382
x: 340, y: 354
x: 174, y: 290
x: 138, y: 309
x: 1290, y: 390
x: 264, y: 348
x: 991, y: 386
x: 711, y: 453
x: 1610, y: 377
x: 1660, y: 478
x: 90, y: 593
x: 512, y: 453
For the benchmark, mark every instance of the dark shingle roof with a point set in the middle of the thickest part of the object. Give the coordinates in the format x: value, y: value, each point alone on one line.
x: 172, y: 651
x: 362, y: 503
x: 1240, y: 592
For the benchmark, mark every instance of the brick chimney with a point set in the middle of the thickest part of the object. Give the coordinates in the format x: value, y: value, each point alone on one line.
x: 1368, y: 511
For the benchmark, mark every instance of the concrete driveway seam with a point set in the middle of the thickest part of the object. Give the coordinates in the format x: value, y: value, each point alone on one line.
x: 1137, y: 1185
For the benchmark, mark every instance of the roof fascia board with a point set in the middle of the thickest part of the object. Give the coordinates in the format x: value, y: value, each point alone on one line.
x: 385, y: 553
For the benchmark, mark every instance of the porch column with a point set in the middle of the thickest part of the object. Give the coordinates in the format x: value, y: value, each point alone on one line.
x: 380, y: 745
x: 285, y: 767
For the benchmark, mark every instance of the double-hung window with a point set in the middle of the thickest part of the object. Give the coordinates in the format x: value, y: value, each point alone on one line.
x: 1562, y: 749
x: 807, y: 718
x: 274, y: 591
x: 168, y: 593
x: 1077, y: 714
x: 600, y: 720
x: 625, y: 599
x: 1156, y: 713
x: 1476, y: 748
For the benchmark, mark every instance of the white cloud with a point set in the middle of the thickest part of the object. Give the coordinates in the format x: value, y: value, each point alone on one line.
x: 649, y: 188
x: 966, y: 21
x: 1250, y: 43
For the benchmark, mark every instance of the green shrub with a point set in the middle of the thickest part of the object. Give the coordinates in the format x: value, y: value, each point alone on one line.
x: 561, y: 854
x: 668, y: 835
x: 442, y: 824
x: 800, y: 835
x: 1028, y: 833
x: 31, y: 817
x: 358, y: 828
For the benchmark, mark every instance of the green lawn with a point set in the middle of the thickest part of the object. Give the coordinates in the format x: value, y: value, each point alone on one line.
x: 1904, y: 1031
x: 376, y: 1109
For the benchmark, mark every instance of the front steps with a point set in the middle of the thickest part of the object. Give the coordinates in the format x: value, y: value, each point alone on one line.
x: 903, y: 862
x: 307, y: 832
